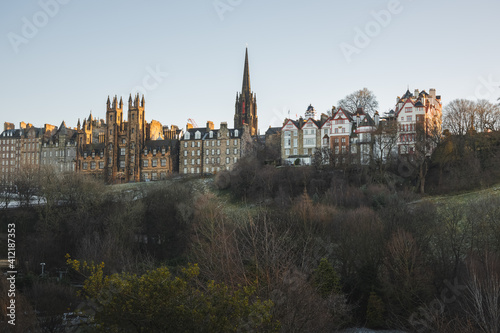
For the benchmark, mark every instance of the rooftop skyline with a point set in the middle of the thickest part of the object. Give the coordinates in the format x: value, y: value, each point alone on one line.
x: 62, y: 58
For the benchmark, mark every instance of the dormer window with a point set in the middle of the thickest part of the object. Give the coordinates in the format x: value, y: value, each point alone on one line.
x: 211, y: 134
x: 236, y: 133
x: 197, y: 135
x: 187, y: 136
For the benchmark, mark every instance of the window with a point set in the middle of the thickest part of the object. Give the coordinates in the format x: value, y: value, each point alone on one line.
x: 295, y: 152
x: 218, y: 151
x: 295, y: 133
x: 145, y: 163
x: 122, y: 164
x: 408, y: 109
x: 343, y: 140
x: 235, y: 151
x: 408, y: 118
x: 235, y: 159
x: 84, y: 166
x: 122, y: 151
x: 211, y: 135
x: 185, y: 144
x: 192, y: 144
x: 163, y: 162
x: 154, y: 163
x: 199, y: 144
x: 185, y: 162
x: 295, y: 143
x: 227, y: 151
x: 192, y: 152
x: 92, y: 165
x: 227, y: 160
x: 218, y: 143
x: 101, y: 165
x: 154, y: 176
x: 287, y: 152
x: 185, y: 153
x: 197, y: 135
x: 236, y: 133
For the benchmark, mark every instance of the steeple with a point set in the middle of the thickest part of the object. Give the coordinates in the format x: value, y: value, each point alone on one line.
x: 246, y: 103
x: 121, y: 103
x: 246, y: 76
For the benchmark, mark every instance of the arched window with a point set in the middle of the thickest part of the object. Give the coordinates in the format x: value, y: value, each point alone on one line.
x: 187, y: 136
x: 236, y: 133
x: 197, y: 135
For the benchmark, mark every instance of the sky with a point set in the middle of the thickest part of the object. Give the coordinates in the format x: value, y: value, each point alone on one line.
x: 60, y: 59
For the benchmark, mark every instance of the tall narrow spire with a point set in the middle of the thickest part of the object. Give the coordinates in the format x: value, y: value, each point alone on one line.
x: 246, y: 76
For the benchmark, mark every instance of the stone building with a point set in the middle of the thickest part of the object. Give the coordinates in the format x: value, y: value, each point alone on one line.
x: 130, y: 150
x: 300, y: 139
x: 59, y: 150
x: 10, y: 146
x: 208, y: 150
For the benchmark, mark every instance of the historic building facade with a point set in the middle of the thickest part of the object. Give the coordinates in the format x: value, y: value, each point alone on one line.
x: 128, y: 150
x: 208, y: 150
x: 417, y: 115
x: 59, y: 150
x: 300, y: 139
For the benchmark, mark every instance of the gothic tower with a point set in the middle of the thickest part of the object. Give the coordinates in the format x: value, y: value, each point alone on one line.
x: 114, y: 118
x: 136, y: 135
x: 246, y: 103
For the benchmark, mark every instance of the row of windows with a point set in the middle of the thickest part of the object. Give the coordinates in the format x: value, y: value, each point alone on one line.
x: 68, y: 153
x: 7, y: 155
x: 93, y: 165
x: 210, y: 143
x: 197, y: 135
x: 154, y: 163
x: 12, y: 162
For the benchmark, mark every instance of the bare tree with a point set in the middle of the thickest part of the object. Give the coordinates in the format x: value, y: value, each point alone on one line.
x: 385, y: 141
x: 483, y: 291
x: 487, y: 116
x: 26, y: 181
x: 363, y: 98
x: 459, y: 116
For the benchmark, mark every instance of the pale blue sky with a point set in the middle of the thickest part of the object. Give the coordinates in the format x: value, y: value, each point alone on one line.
x: 87, y: 50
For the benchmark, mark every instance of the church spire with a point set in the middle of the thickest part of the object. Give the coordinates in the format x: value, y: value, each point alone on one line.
x: 246, y: 76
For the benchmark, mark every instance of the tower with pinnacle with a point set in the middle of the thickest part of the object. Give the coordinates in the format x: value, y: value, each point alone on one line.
x: 246, y: 103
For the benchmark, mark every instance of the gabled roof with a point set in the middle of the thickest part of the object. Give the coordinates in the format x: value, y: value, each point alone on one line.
x: 346, y: 113
x: 290, y: 121
x: 419, y: 104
